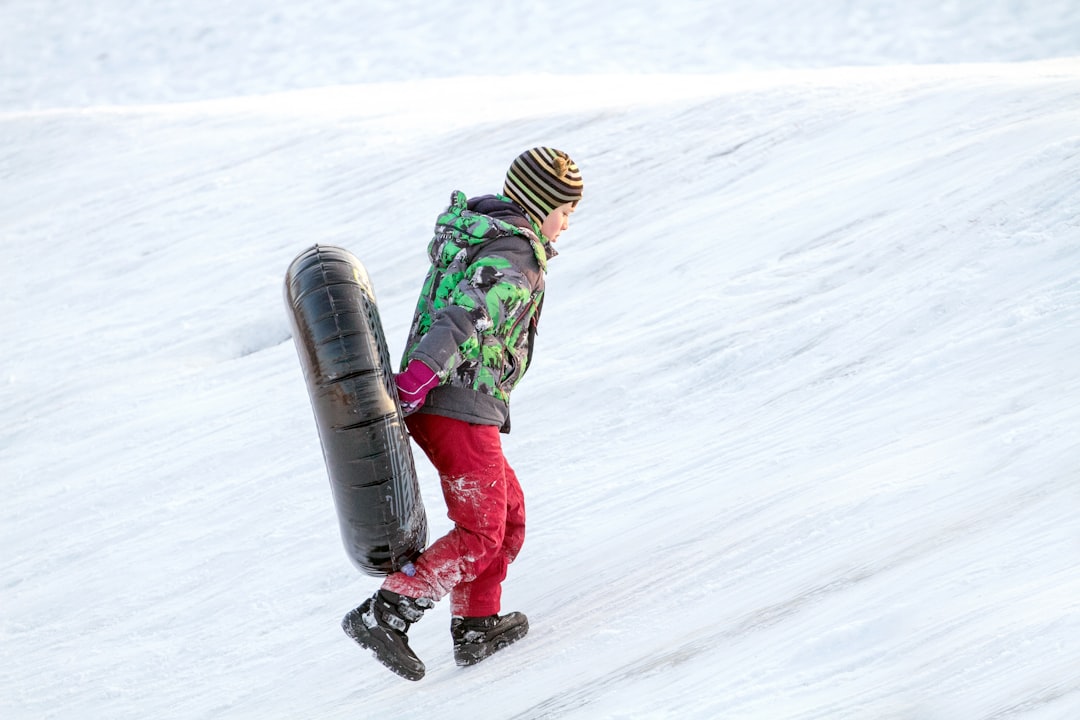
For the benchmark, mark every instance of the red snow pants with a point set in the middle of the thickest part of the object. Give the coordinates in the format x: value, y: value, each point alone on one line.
x: 484, y: 500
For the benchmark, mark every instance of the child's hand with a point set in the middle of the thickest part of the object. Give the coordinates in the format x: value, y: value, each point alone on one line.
x: 414, y: 384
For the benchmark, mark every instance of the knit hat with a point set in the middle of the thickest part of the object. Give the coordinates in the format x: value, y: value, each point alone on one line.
x: 541, y: 180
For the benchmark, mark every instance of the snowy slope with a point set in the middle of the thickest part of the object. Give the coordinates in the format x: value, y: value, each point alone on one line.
x: 134, y: 51
x: 799, y: 441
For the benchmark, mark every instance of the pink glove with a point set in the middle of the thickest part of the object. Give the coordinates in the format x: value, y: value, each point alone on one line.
x: 414, y: 384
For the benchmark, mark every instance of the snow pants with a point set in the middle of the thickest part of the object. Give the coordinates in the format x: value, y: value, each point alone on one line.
x: 485, y: 503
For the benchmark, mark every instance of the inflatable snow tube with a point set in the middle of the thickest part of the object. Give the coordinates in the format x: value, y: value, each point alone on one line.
x: 343, y: 353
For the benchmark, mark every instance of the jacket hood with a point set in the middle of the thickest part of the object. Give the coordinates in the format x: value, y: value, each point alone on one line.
x: 488, y: 217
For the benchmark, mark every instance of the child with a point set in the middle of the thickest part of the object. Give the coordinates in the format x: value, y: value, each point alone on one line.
x: 471, y: 342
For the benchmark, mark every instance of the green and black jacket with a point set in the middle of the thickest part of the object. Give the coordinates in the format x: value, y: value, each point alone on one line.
x: 476, y: 319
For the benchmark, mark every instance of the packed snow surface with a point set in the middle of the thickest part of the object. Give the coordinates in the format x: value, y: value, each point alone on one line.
x: 801, y: 435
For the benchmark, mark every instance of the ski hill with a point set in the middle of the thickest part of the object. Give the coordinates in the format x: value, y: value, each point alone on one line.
x: 800, y: 437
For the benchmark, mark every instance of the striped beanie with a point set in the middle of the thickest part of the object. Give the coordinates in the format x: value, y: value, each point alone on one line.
x: 541, y: 180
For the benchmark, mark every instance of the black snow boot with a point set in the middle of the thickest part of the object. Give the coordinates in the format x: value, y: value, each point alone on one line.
x: 380, y: 624
x: 475, y: 638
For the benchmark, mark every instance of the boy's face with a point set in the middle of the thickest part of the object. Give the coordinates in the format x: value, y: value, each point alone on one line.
x: 557, y: 221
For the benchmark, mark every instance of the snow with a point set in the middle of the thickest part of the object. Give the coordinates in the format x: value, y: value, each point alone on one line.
x: 800, y: 436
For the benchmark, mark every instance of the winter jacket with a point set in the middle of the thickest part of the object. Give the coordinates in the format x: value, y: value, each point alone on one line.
x: 475, y: 322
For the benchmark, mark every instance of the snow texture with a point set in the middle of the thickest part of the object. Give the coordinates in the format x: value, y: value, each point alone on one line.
x: 800, y: 439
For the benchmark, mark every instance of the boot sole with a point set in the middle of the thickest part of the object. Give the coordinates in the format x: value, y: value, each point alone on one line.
x: 363, y: 637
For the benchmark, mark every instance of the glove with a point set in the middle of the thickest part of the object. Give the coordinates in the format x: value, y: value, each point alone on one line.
x: 414, y: 384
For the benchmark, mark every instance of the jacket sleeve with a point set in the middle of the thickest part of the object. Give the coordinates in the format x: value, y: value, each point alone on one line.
x: 490, y: 298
